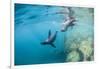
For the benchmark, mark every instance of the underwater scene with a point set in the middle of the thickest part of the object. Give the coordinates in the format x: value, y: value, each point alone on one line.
x: 52, y: 34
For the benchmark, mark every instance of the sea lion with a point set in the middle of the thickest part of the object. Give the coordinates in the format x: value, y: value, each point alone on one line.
x: 69, y: 22
x: 50, y: 39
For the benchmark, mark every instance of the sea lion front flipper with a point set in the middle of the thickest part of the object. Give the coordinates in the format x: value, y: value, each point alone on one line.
x: 53, y: 45
x: 49, y: 33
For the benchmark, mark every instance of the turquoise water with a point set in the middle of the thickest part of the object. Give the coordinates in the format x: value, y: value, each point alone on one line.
x: 32, y: 23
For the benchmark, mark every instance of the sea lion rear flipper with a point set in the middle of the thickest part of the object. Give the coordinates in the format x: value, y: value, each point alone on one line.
x: 49, y: 33
x: 53, y: 45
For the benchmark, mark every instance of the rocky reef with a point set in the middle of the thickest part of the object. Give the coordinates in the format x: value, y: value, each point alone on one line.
x: 80, y: 49
x: 79, y: 41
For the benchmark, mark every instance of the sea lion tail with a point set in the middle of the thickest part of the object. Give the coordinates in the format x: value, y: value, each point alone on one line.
x: 53, y: 45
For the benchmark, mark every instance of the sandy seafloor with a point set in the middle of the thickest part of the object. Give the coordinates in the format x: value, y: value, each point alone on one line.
x: 32, y: 23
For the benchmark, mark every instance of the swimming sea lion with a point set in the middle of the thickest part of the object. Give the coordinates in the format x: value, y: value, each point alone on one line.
x: 50, y: 39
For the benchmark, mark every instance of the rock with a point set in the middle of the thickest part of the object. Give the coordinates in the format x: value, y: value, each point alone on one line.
x: 73, y: 56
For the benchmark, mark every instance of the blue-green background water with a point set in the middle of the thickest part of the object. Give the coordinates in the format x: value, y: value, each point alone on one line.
x: 32, y: 23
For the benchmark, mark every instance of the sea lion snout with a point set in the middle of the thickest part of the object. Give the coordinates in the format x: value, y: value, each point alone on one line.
x: 62, y: 30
